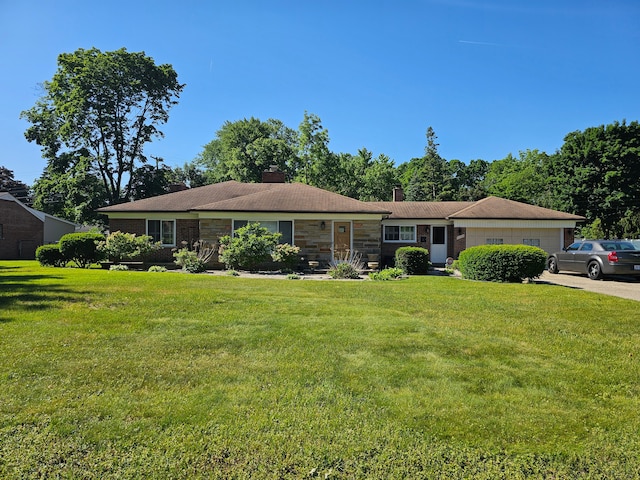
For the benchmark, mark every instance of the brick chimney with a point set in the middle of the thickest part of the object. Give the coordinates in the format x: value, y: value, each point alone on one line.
x: 273, y: 175
x: 398, y: 194
x: 177, y: 187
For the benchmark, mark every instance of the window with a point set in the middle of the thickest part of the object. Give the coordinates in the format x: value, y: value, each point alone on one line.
x: 285, y: 227
x: 532, y: 242
x: 495, y: 241
x: 400, y: 233
x: 163, y: 231
x: 438, y: 236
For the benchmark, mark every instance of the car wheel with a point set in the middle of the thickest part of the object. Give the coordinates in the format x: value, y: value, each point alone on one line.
x: 594, y: 271
x: 552, y: 265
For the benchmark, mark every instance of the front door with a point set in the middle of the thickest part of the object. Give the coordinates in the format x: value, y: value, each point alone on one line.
x: 341, y: 239
x: 438, y: 252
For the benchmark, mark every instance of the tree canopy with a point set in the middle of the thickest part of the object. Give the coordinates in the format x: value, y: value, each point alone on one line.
x: 97, y: 114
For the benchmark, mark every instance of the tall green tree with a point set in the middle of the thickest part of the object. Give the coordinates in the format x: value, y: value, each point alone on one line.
x: 243, y: 149
x: 428, y: 178
x: 316, y: 164
x: 102, y: 108
x: 597, y: 174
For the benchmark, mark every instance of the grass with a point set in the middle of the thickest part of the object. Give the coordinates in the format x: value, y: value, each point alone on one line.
x: 169, y: 375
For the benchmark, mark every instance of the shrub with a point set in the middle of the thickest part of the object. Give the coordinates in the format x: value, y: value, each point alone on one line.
x: 157, y: 269
x: 392, y: 273
x: 413, y: 260
x: 251, y: 246
x: 188, y: 260
x: 50, y: 256
x: 81, y: 248
x: 119, y: 268
x: 293, y: 276
x: 119, y: 246
x: 194, y: 261
x: 287, y: 255
x: 502, y: 263
x: 344, y: 270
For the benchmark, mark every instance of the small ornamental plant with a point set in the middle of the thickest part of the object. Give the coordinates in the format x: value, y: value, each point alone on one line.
x: 392, y: 273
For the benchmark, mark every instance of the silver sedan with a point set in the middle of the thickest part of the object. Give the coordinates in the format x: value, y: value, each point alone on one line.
x: 597, y: 258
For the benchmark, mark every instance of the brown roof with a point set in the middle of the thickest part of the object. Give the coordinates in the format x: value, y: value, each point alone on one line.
x: 422, y: 209
x: 501, y: 208
x: 250, y: 197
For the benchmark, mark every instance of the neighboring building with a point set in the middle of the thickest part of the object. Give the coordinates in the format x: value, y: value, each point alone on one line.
x: 23, y: 229
x: 324, y: 224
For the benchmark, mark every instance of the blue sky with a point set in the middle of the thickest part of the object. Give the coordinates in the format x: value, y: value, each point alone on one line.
x: 492, y: 77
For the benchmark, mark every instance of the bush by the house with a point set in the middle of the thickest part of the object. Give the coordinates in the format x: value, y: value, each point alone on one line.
x: 50, y: 256
x: 119, y: 246
x: 194, y: 261
x: 413, y: 260
x: 392, y: 273
x: 119, y: 268
x: 248, y: 248
x: 287, y: 255
x: 502, y: 263
x: 81, y: 248
x: 343, y: 270
x: 157, y: 269
x: 188, y: 260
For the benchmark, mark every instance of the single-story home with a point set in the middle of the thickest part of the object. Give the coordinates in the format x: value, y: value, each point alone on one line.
x: 325, y: 225
x: 23, y: 229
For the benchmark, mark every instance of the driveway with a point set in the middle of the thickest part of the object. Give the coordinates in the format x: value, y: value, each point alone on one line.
x: 620, y: 286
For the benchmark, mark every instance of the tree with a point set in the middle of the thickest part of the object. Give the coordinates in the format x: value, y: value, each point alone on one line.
x: 428, y: 178
x: 470, y: 180
x: 15, y: 187
x: 102, y: 108
x: 72, y: 193
x: 597, y: 174
x: 521, y: 179
x: 316, y: 165
x: 242, y: 150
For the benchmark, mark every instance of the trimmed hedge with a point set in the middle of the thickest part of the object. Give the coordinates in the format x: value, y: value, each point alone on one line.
x: 50, y: 255
x: 413, y: 260
x: 502, y: 263
x: 82, y: 248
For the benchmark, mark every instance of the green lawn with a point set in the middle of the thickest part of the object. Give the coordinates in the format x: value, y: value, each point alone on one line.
x: 169, y: 375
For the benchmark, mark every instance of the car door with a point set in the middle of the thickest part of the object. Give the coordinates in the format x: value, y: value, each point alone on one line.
x: 581, y: 257
x: 566, y: 258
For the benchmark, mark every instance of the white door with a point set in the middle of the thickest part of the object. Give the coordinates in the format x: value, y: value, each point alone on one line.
x: 438, y: 252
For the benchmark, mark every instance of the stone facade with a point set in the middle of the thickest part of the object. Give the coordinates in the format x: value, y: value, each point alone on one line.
x: 366, y: 237
x: 314, y: 241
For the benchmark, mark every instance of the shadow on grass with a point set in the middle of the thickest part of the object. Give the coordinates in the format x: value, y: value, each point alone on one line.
x: 21, y: 293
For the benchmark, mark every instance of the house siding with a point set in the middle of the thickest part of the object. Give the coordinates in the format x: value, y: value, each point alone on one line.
x: 22, y: 232
x: 549, y: 237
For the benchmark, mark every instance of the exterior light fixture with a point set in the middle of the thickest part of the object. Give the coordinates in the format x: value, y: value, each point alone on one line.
x: 323, y: 225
